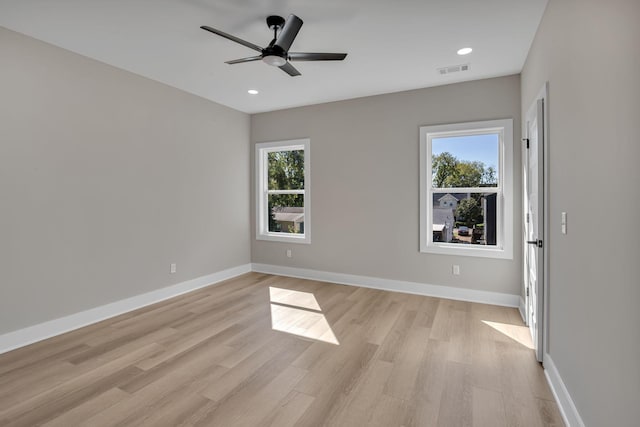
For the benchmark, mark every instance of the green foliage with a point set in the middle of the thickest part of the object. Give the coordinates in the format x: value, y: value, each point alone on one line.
x: 286, y: 172
x: 444, y: 168
x: 468, y: 174
x: 469, y: 211
x: 489, y: 177
x: 449, y: 172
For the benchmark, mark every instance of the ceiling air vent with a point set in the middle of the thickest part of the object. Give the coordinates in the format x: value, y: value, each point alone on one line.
x: 453, y: 69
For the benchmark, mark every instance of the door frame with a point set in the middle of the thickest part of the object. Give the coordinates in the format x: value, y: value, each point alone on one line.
x: 543, y: 300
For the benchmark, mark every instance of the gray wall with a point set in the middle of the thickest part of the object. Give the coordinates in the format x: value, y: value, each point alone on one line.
x: 105, y: 179
x: 588, y: 51
x: 365, y: 178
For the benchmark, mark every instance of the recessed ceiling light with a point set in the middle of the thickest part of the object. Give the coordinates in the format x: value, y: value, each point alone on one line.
x: 465, y: 51
x: 252, y: 92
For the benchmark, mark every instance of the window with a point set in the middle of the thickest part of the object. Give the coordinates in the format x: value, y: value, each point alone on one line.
x: 282, y: 191
x: 466, y: 198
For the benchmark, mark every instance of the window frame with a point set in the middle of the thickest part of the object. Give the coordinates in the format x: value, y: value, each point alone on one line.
x: 262, y: 149
x: 504, y: 190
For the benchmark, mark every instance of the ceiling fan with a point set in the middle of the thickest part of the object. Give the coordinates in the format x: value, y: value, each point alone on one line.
x: 277, y: 52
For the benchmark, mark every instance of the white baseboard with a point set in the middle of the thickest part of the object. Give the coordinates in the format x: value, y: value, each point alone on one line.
x: 39, y: 332
x: 523, y: 310
x: 448, y: 292
x: 567, y: 408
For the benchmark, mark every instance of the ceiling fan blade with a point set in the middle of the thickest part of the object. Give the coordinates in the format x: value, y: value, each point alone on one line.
x: 241, y: 60
x: 290, y: 69
x: 316, y: 56
x: 289, y: 32
x: 232, y: 38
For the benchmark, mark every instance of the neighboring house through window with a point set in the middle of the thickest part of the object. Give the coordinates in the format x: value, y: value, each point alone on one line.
x: 466, y: 190
x: 282, y: 191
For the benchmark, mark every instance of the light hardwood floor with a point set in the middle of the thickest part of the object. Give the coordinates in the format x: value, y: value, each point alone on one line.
x: 263, y: 350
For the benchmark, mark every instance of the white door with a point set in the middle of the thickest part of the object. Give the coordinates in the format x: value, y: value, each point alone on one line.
x: 533, y: 159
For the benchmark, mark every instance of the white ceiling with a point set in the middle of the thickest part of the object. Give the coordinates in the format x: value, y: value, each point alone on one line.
x: 391, y: 45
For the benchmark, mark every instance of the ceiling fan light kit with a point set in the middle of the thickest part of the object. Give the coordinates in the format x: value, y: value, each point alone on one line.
x: 274, y: 60
x: 277, y: 52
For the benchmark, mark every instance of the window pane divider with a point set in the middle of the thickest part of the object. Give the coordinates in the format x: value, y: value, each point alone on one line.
x: 467, y: 190
x: 285, y: 191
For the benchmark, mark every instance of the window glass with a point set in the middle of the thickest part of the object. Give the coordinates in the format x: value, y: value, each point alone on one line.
x: 286, y: 213
x: 286, y: 170
x: 465, y: 161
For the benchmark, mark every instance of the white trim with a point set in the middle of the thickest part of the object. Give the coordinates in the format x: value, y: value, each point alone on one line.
x: 522, y: 308
x: 448, y: 292
x: 51, y: 328
x: 568, y: 410
x: 543, y: 295
x: 544, y: 94
x: 262, y: 190
x: 504, y: 214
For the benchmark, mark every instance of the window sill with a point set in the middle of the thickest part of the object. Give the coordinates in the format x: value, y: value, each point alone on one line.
x: 457, y: 250
x: 279, y: 237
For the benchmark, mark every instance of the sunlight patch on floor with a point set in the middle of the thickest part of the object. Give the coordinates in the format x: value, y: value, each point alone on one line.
x: 294, y: 298
x: 520, y: 334
x: 299, y: 313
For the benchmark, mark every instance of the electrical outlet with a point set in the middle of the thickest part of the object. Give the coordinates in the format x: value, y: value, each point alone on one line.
x: 563, y: 222
x: 456, y: 270
x: 289, y: 253
x: 173, y: 268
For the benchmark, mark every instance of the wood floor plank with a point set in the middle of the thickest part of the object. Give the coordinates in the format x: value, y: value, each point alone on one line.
x: 62, y: 347
x: 184, y: 367
x: 339, y: 381
x: 424, y: 406
x: 88, y: 409
x: 460, y: 339
x: 388, y: 412
x: 441, y: 327
x: 55, y: 372
x: 456, y: 402
x: 290, y: 410
x: 262, y: 395
x: 260, y: 364
x: 380, y: 326
x: 264, y: 350
x: 521, y: 406
x: 156, y: 389
x: 58, y: 403
x: 549, y: 413
x: 365, y: 396
x: 99, y: 355
x: 396, y: 337
x: 65, y: 396
x: 403, y: 377
x: 174, y: 410
x: 488, y: 408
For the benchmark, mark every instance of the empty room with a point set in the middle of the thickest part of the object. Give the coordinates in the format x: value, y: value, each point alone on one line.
x: 340, y: 213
